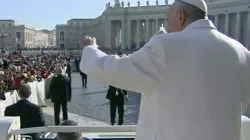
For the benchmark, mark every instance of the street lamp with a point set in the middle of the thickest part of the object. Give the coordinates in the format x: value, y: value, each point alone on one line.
x: 2, y: 36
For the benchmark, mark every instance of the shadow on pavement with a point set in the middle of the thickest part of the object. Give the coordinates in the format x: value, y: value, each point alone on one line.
x: 92, y: 102
x: 132, y: 108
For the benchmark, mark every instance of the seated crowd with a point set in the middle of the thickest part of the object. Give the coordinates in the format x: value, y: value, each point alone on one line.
x: 31, y: 115
x: 16, y: 68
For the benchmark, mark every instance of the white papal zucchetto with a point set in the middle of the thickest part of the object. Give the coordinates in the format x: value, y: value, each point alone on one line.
x: 201, y: 4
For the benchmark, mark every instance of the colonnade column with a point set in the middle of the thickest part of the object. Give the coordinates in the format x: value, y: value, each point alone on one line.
x: 237, y: 36
x: 129, y: 34
x: 147, y: 30
x: 123, y: 34
x: 227, y: 24
x: 109, y: 33
x: 216, y: 21
x: 138, y: 34
x: 248, y: 31
x: 165, y: 24
x: 156, y: 25
x: 106, y: 34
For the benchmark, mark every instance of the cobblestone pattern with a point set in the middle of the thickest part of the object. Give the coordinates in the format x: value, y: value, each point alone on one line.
x: 91, y: 103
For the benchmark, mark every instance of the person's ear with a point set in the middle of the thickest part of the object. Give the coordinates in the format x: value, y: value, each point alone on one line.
x: 183, y: 17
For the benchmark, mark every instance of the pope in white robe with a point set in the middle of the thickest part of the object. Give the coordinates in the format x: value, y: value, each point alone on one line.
x: 194, y: 81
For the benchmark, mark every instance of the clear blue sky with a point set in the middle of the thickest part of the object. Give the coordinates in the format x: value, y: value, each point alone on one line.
x: 47, y: 13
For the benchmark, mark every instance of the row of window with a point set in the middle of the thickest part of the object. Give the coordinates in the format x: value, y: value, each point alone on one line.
x: 72, y: 34
x: 78, y: 24
x: 5, y: 24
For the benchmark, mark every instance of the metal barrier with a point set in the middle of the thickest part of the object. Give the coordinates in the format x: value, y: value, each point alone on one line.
x: 83, y: 129
x: 10, y: 130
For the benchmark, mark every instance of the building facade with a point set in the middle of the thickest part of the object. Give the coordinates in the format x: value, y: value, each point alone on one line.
x: 51, y: 37
x: 41, y: 39
x: 70, y: 34
x: 17, y: 36
x: 126, y: 26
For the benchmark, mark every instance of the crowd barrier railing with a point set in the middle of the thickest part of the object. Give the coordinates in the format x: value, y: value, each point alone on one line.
x: 10, y: 126
x: 37, y: 96
x: 39, y: 90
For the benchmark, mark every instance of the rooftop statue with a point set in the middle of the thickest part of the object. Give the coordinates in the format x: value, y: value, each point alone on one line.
x: 122, y: 3
x: 128, y: 4
x: 117, y: 3
x: 138, y: 3
x: 166, y: 2
x: 147, y: 3
x: 157, y: 2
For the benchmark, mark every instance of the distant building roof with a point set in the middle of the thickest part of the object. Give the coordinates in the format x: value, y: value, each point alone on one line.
x: 7, y: 20
x: 81, y: 19
x: 47, y: 31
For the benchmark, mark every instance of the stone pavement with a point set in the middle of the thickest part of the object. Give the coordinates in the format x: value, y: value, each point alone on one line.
x: 49, y: 113
x: 90, y: 106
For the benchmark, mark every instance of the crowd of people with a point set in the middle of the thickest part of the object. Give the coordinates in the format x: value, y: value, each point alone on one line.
x: 194, y: 79
x: 16, y: 68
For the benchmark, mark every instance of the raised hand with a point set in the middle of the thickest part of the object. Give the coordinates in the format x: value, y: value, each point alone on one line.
x: 161, y: 31
x: 88, y: 40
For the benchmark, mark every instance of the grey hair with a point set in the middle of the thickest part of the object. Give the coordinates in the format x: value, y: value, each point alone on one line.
x: 193, y: 12
x: 70, y: 135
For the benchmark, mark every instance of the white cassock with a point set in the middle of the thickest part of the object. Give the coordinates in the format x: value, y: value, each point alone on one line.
x: 193, y: 83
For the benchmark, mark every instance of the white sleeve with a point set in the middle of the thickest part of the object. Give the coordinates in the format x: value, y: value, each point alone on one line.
x: 246, y: 85
x: 139, y: 72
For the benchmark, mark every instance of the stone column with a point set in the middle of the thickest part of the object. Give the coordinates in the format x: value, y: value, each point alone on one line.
x: 123, y: 38
x: 138, y: 33
x: 106, y: 34
x: 226, y: 24
x: 129, y: 34
x: 117, y: 35
x: 109, y: 33
x: 248, y: 31
x: 237, y: 35
x: 147, y: 30
x: 165, y: 24
x: 157, y: 25
x: 216, y: 21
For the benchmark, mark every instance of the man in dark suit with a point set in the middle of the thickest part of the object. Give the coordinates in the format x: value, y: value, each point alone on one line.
x: 116, y: 97
x: 30, y: 114
x: 84, y: 79
x: 60, y: 94
x: 77, y: 61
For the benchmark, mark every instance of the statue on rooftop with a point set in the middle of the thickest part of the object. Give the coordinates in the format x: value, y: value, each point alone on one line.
x: 147, y: 3
x: 117, y: 3
x: 128, y: 4
x: 157, y: 2
x: 108, y: 4
x: 122, y: 3
x: 138, y: 3
x: 166, y: 2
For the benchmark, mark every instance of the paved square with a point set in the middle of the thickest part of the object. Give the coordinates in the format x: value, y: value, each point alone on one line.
x: 90, y: 106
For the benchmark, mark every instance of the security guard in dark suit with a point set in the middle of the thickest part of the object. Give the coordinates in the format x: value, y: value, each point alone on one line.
x: 60, y: 94
x: 116, y: 97
x: 84, y: 79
